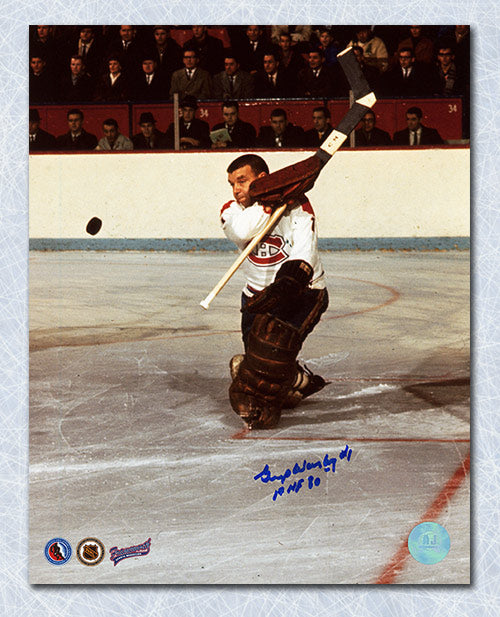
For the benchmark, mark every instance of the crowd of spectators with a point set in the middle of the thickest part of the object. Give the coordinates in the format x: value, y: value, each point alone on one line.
x: 71, y: 64
x: 74, y: 65
x: 231, y: 132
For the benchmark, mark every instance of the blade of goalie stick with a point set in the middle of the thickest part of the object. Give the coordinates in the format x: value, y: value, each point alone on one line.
x: 354, y: 74
x: 364, y: 100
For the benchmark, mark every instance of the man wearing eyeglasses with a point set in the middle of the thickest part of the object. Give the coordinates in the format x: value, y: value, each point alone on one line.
x: 191, y: 80
x: 370, y: 135
x: 448, y: 80
x: 407, y: 78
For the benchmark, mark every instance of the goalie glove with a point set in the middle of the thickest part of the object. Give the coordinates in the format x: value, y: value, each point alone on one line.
x: 291, y: 280
x: 286, y: 184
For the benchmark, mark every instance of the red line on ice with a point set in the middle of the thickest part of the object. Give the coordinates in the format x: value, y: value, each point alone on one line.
x: 397, y: 563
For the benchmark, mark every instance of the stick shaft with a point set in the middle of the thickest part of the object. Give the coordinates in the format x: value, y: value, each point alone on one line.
x: 243, y: 255
x: 177, y: 133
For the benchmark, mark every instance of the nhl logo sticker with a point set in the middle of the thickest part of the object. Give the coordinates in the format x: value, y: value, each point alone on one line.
x: 90, y: 551
x: 58, y: 551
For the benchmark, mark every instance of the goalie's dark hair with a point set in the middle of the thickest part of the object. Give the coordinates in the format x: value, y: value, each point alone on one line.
x: 256, y: 162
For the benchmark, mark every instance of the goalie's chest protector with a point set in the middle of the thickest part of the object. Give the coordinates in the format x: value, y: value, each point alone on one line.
x: 294, y: 237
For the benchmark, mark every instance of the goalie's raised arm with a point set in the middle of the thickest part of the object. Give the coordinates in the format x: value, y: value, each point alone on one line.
x: 286, y: 184
x: 292, y: 182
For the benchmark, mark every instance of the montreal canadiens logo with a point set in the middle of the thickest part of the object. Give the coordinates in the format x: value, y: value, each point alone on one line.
x: 270, y: 251
x: 58, y: 551
x: 90, y: 551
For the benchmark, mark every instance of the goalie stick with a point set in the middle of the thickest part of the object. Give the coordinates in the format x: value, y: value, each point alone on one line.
x: 309, y: 168
x: 364, y: 99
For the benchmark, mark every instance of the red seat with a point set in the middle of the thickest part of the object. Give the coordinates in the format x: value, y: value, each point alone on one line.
x: 220, y: 33
x: 181, y: 35
x: 443, y: 114
x: 53, y: 118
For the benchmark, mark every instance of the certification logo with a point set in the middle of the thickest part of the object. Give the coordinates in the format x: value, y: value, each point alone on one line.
x: 429, y: 543
x: 58, y: 551
x: 90, y: 551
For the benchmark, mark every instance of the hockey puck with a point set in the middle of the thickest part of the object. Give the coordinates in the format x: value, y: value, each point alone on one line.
x: 94, y: 225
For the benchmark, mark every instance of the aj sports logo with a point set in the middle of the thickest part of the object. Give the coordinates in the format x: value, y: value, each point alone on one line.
x: 270, y: 251
x: 118, y: 554
x: 58, y: 551
x: 90, y: 551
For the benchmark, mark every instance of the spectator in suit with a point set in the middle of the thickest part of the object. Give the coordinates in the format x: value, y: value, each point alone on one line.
x: 194, y: 133
x: 317, y: 80
x: 191, y: 80
x: 242, y: 134
x: 448, y: 80
x: 41, y: 81
x: 76, y: 86
x: 210, y: 49
x: 40, y: 36
x: 408, y: 78
x: 77, y: 137
x: 128, y: 49
x: 39, y: 139
x: 113, y: 86
x: 251, y: 50
x: 113, y: 139
x: 149, y: 86
x: 127, y: 38
x: 281, y: 133
x: 232, y: 83
x: 322, y: 128
x: 416, y: 134
x: 271, y: 82
x: 166, y: 52
x: 422, y: 46
x: 150, y: 138
x: 90, y: 50
x: 369, y: 134
x: 43, y: 44
x: 290, y: 59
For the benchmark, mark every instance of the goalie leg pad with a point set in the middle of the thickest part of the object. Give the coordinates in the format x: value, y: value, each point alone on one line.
x: 267, y: 372
x: 234, y: 365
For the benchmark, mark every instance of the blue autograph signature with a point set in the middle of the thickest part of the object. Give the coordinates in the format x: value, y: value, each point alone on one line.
x: 327, y: 464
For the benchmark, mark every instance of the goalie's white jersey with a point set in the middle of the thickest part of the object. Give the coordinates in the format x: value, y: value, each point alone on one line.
x: 295, y: 236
